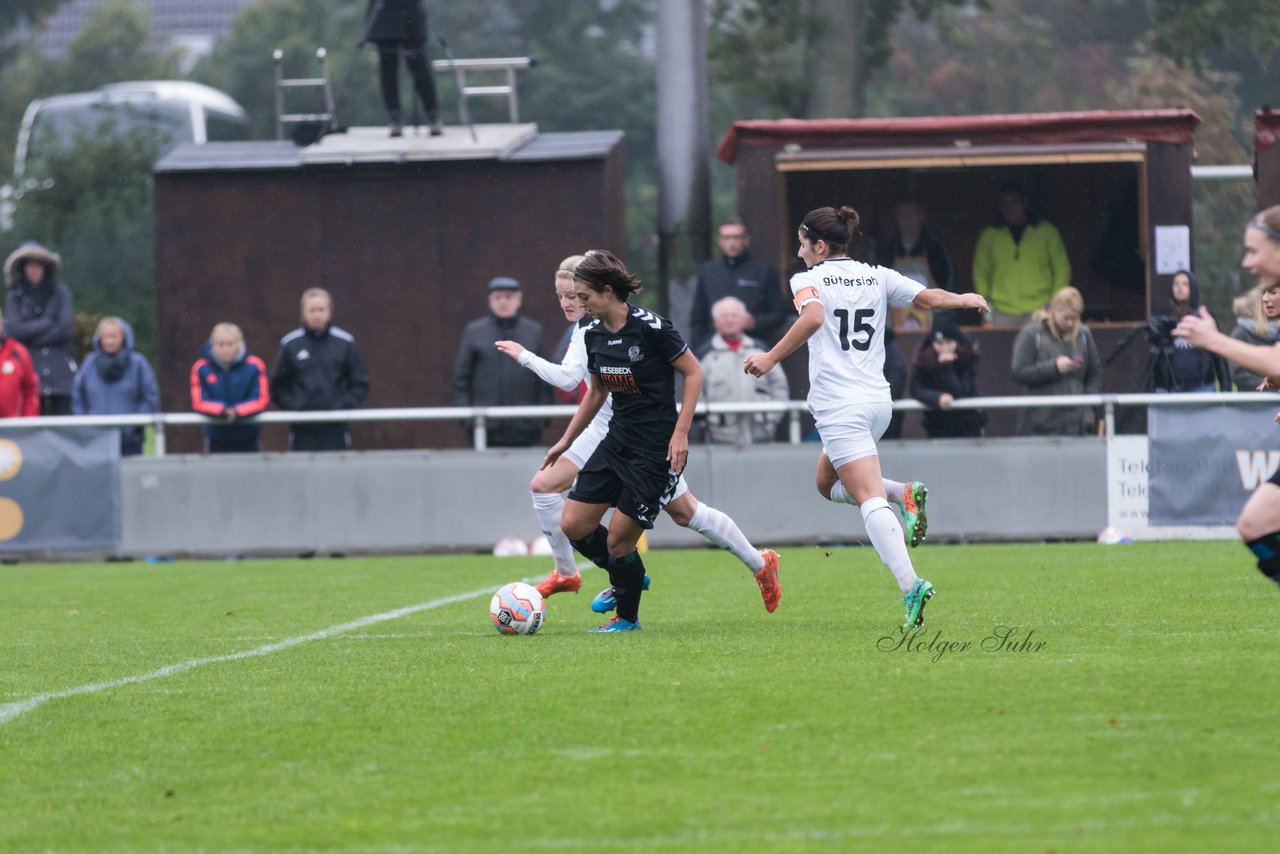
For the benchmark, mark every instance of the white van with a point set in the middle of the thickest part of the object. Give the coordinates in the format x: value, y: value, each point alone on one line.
x: 183, y: 111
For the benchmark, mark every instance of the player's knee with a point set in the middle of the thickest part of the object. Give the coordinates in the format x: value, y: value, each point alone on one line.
x: 824, y: 488
x: 1249, y: 528
x: 680, y: 514
x: 620, y: 546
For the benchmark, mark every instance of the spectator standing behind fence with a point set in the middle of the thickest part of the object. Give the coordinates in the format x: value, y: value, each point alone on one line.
x: 946, y: 370
x: 1054, y: 354
x: 736, y: 274
x: 116, y: 380
x: 41, y: 316
x: 318, y: 370
x: 1253, y: 326
x: 724, y: 381
x: 483, y: 376
x: 915, y: 253
x: 19, y: 388
x: 228, y: 384
x: 1019, y: 262
x: 1173, y: 365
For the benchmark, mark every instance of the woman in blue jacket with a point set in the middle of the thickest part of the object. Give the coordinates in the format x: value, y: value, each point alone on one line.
x: 115, y: 380
x: 228, y: 384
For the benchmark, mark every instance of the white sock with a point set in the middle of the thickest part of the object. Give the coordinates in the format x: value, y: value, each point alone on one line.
x: 892, y: 489
x: 549, y: 506
x: 724, y: 532
x: 886, y: 535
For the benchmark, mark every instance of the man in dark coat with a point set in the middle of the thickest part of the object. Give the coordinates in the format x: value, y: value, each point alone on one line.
x: 40, y: 315
x: 396, y: 27
x: 318, y: 368
x: 483, y: 376
x: 736, y: 274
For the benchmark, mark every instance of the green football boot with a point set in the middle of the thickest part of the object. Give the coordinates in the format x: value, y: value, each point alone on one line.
x: 916, y: 521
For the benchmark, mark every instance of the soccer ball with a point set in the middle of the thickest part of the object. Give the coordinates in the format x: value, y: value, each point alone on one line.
x: 511, y: 547
x: 1113, y: 537
x: 516, y: 609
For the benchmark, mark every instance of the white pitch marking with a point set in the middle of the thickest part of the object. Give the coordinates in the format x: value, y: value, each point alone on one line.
x: 16, y: 709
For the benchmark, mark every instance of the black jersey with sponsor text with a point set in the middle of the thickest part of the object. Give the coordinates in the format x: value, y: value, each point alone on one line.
x: 634, y: 365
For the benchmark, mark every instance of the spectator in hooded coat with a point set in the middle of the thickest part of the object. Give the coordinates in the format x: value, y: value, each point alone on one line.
x: 946, y: 370
x: 115, y: 379
x: 41, y: 316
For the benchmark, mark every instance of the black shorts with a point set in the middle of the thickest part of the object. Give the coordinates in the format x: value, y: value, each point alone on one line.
x: 622, y: 478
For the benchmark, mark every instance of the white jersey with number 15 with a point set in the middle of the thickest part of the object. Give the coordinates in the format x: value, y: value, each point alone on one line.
x: 846, y: 355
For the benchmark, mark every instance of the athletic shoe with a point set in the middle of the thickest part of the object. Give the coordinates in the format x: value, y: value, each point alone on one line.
x: 767, y: 578
x: 921, y: 592
x: 606, y: 601
x: 914, y: 495
x: 557, y: 583
x: 616, y: 624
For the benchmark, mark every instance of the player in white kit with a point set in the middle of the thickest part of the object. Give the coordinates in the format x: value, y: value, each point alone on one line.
x: 548, y: 485
x: 843, y: 306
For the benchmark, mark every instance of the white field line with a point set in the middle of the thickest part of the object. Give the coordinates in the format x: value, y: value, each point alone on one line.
x: 18, y: 708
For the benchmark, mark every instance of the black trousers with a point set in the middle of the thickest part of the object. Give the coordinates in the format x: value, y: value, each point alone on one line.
x: 415, y: 56
x: 55, y: 404
x: 319, y: 437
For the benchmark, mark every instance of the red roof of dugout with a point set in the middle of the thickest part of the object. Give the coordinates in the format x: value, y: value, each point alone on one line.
x: 1172, y: 126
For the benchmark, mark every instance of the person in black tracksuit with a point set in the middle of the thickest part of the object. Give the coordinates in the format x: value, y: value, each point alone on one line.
x: 318, y: 369
x: 633, y: 356
x: 396, y: 27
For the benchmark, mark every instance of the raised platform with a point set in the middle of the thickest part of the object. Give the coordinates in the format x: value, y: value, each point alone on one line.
x: 374, y: 145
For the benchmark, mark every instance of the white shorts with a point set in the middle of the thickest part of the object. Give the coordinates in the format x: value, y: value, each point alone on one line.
x: 851, y: 432
x: 587, y: 442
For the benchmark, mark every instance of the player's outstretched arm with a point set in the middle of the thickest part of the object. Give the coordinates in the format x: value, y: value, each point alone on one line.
x: 1200, y: 330
x: 566, y: 376
x: 936, y: 298
x: 587, y: 409
x: 810, y: 321
x: 678, y: 447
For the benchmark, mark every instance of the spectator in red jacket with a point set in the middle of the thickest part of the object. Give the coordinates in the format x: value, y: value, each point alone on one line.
x: 19, y: 388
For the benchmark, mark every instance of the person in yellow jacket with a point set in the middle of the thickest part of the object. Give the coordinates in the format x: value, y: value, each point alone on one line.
x: 1019, y: 262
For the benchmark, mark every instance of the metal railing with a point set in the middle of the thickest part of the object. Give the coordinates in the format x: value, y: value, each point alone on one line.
x: 792, y: 410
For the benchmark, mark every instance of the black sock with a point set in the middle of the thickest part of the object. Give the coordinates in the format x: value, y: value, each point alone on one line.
x: 626, y: 574
x: 1267, y: 551
x: 594, y: 546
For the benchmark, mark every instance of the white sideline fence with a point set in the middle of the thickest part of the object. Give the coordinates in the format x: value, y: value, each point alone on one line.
x: 793, y: 410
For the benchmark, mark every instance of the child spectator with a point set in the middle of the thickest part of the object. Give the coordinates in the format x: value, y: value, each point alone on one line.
x: 115, y: 380
x: 229, y: 384
x: 946, y: 370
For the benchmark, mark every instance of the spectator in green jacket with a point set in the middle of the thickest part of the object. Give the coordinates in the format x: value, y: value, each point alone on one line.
x: 1019, y: 262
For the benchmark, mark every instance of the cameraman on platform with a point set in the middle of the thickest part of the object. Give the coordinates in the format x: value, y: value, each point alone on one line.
x: 1172, y: 364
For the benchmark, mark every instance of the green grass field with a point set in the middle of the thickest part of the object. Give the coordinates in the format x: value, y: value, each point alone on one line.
x: 1146, y: 720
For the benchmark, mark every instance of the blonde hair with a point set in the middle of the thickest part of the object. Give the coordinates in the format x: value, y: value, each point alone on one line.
x: 568, y: 265
x: 1067, y: 297
x: 1249, y: 304
x: 314, y: 292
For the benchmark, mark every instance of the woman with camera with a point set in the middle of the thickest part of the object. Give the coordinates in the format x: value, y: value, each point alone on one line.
x: 1173, y: 365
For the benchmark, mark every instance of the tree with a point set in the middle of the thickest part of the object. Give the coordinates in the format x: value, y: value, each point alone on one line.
x: 13, y: 12
x: 830, y: 50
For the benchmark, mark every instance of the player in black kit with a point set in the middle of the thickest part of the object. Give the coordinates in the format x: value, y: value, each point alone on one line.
x: 632, y: 354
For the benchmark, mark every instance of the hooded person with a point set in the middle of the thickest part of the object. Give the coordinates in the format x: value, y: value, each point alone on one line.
x: 40, y: 315
x: 115, y: 379
x: 1252, y: 327
x: 946, y: 370
x: 1173, y: 365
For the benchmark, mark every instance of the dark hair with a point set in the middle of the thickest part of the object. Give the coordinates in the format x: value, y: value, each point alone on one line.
x: 1013, y: 188
x: 836, y: 227
x: 600, y: 267
x: 1268, y: 222
x: 732, y: 220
